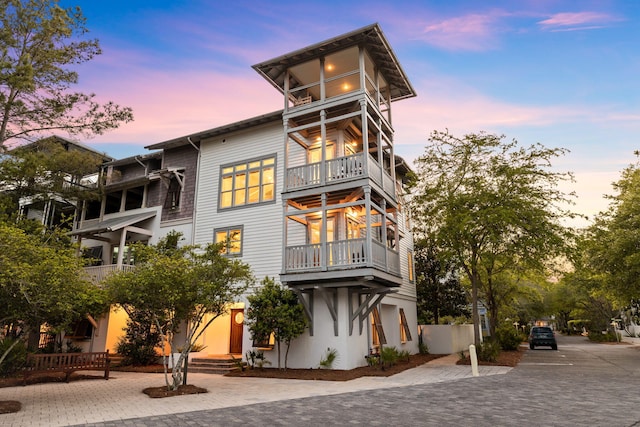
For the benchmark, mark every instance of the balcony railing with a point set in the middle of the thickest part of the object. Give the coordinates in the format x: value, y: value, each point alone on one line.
x: 337, y: 170
x: 340, y: 255
x: 98, y: 273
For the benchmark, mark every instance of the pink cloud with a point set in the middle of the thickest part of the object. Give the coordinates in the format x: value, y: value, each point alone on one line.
x: 568, y: 21
x: 469, y: 32
x: 169, y: 104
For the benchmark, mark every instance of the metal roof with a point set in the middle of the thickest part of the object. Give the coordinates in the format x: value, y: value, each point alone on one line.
x: 112, y: 224
x: 371, y: 37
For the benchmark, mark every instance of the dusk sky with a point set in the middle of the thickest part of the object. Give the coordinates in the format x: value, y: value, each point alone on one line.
x: 561, y: 73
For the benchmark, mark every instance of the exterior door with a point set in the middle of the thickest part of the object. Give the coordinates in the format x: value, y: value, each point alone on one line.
x: 237, y: 322
x: 315, y: 238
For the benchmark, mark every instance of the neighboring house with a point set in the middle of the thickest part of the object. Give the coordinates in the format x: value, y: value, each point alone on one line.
x: 50, y: 209
x: 310, y: 195
x: 145, y: 197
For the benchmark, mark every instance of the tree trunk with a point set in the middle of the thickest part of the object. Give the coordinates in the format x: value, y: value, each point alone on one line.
x: 474, y: 300
x: 278, y: 354
x: 33, y: 339
x: 286, y: 354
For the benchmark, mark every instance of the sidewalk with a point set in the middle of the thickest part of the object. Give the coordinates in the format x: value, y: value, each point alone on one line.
x: 92, y: 401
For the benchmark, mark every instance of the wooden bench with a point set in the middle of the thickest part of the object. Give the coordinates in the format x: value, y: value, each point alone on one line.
x: 67, y: 363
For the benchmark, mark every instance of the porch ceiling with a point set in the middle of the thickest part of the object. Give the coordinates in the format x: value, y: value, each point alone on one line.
x: 371, y: 36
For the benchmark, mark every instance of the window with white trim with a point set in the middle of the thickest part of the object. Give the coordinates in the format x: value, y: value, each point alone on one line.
x: 248, y: 183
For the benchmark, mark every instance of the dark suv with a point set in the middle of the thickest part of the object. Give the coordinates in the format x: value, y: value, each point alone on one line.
x: 542, y: 335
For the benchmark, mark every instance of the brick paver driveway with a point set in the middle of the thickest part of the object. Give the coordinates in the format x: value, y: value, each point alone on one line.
x: 580, y: 384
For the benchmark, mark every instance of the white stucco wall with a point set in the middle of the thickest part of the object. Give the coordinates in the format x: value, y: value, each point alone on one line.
x: 447, y: 339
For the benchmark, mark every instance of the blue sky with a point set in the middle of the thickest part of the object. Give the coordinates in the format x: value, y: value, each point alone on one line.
x: 562, y: 73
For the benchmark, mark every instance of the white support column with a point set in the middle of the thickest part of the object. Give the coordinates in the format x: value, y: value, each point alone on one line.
x: 361, y: 65
x: 323, y: 92
x: 324, y: 259
x: 285, y: 126
x: 286, y: 92
x: 383, y: 225
x: 123, y: 241
x: 365, y: 136
x: 285, y: 219
x: 323, y: 148
x: 369, y: 243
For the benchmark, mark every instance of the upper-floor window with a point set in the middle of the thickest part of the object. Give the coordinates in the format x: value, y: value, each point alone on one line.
x: 172, y: 200
x: 410, y: 267
x: 248, y: 183
x: 231, y: 238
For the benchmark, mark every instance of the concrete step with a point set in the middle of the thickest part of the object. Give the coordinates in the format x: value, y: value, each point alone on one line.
x: 210, y: 370
x: 213, y: 365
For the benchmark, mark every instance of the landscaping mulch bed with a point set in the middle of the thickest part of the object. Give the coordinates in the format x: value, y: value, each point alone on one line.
x: 335, y: 374
x: 505, y: 358
x: 157, y: 392
x: 9, y: 406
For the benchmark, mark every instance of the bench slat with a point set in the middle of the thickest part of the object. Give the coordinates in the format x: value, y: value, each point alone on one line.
x: 67, y: 363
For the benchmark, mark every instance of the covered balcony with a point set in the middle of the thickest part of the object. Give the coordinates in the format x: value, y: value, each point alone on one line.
x: 341, y: 169
x: 349, y: 234
x: 341, y: 255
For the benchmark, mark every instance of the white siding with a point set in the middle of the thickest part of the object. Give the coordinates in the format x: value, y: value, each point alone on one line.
x: 297, y: 154
x: 406, y: 244
x: 262, y: 234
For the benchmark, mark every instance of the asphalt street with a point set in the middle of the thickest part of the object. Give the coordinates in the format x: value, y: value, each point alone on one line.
x: 579, y: 384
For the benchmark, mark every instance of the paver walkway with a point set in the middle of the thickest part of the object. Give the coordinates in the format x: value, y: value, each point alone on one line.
x: 121, y: 398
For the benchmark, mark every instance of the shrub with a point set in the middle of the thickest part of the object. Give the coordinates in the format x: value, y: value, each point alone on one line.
x: 256, y: 359
x: 404, y: 355
x: 488, y: 351
x: 373, y: 359
x: 138, y: 346
x: 16, y: 358
x: 327, y: 360
x: 389, y: 356
x: 509, y: 338
x: 608, y: 337
x: 72, y: 348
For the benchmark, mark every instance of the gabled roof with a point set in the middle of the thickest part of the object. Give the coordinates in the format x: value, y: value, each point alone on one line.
x: 136, y: 159
x: 221, y: 130
x: 371, y: 36
x: 67, y: 144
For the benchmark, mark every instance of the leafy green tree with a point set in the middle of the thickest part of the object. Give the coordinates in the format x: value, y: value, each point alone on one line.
x: 438, y: 287
x: 274, y: 309
x: 42, y: 282
x: 40, y: 42
x: 138, y: 346
x: 43, y: 171
x: 612, y: 242
x: 179, y: 287
x: 492, y: 205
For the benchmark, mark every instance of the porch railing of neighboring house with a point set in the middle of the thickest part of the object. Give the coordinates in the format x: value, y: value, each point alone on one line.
x: 99, y: 272
x: 340, y: 255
